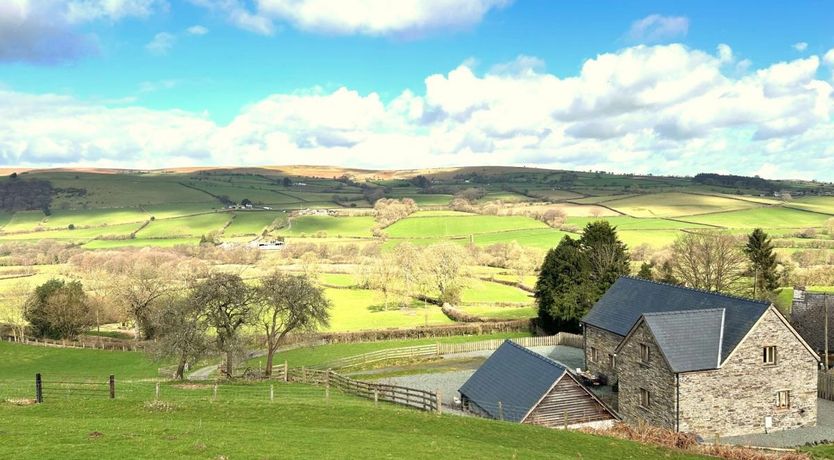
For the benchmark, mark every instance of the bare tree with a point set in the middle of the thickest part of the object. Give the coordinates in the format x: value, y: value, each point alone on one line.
x: 181, y: 334
x: 384, y: 276
x: 289, y: 303
x: 227, y: 305
x: 708, y: 260
x: 12, y: 313
x: 445, y: 264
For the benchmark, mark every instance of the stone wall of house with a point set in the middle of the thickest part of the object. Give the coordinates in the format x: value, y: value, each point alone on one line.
x: 656, y: 377
x: 736, y: 398
x: 605, y: 342
x: 808, y: 317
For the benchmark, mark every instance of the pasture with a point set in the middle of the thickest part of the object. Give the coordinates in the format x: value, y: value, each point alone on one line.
x: 185, y: 226
x: 451, y: 226
x: 769, y: 217
x: 676, y: 204
x: 330, y: 226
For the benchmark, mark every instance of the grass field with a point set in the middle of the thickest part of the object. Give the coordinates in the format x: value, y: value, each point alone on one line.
x: 676, y: 204
x: 539, y: 238
x: 770, y: 217
x: 78, y: 234
x: 252, y: 222
x: 141, y: 243
x: 631, y: 223
x: 22, y: 362
x: 443, y: 227
x: 300, y: 423
x: 331, y: 226
x: 358, y: 309
x: 823, y: 204
x: 185, y: 226
x: 486, y: 292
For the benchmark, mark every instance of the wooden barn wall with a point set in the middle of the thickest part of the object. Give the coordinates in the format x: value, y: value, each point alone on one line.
x: 567, y: 404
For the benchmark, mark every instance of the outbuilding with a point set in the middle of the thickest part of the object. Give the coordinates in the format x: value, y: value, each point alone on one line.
x: 519, y: 385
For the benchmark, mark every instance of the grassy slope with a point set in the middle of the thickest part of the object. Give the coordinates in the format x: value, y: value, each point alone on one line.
x: 185, y: 226
x: 356, y: 309
x: 676, y: 204
x: 427, y: 227
x: 333, y: 226
x: 299, y: 424
x: 23, y: 362
x: 251, y: 223
x: 771, y: 217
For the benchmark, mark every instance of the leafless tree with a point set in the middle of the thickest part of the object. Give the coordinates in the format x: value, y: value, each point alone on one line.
x: 12, y: 312
x: 708, y: 260
x: 289, y: 303
x: 445, y: 264
x: 227, y: 305
x: 181, y: 334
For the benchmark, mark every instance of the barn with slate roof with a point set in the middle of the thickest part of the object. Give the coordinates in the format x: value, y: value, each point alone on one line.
x: 519, y: 385
x: 703, y: 362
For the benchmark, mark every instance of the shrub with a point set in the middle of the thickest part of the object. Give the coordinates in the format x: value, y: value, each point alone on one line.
x: 59, y: 310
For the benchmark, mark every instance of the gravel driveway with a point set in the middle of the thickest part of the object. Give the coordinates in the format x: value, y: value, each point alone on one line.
x: 824, y: 431
x: 449, y: 382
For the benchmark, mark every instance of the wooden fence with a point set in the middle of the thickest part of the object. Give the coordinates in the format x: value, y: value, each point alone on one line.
x: 412, y: 397
x: 825, y: 386
x: 92, y: 344
x: 437, y: 349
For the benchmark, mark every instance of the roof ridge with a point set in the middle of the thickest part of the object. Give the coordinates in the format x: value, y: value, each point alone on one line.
x: 703, y: 291
x: 537, y: 355
x: 683, y: 312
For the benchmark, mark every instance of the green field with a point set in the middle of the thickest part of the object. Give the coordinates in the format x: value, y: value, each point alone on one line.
x: 676, y: 204
x: 359, y: 309
x: 770, y: 217
x: 444, y: 227
x: 823, y: 204
x: 22, y: 362
x: 329, y: 226
x: 185, y: 226
x: 78, y: 234
x: 252, y: 222
x: 141, y: 243
x: 486, y: 292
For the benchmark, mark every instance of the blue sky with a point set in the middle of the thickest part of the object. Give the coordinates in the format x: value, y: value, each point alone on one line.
x: 281, y: 81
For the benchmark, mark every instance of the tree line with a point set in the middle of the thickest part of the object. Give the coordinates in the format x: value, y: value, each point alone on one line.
x: 577, y: 272
x: 217, y: 313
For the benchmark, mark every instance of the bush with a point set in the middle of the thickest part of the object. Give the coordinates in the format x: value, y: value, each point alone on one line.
x: 59, y: 310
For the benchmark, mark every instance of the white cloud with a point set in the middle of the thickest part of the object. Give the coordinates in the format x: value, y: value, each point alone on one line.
x: 656, y: 28
x: 161, y: 43
x: 46, y: 31
x: 407, y: 18
x: 800, y: 46
x: 659, y: 109
x: 725, y: 53
x: 197, y: 30
x: 829, y: 58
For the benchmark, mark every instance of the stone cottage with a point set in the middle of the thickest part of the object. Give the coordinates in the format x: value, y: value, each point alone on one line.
x: 701, y: 362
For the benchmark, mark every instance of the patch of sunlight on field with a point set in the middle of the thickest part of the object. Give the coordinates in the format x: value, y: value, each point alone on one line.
x: 485, y: 292
x: 428, y: 227
x: 675, y: 204
x: 770, y: 217
x: 185, y: 226
x: 359, y: 226
x: 357, y: 309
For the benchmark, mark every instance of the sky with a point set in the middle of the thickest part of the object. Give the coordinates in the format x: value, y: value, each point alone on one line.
x: 661, y: 87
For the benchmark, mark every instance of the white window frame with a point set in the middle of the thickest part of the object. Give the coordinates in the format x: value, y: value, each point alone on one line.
x: 769, y: 355
x: 645, y: 398
x: 645, y: 353
x: 783, y: 399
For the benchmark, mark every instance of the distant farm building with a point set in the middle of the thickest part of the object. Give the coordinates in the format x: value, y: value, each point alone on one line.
x: 268, y: 245
x: 519, y: 385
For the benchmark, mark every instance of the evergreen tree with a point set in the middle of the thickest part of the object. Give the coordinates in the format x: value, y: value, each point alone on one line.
x: 576, y: 273
x: 646, y: 271
x: 759, y: 251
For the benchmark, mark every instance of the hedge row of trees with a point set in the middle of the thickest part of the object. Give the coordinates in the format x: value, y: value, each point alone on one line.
x: 209, y: 314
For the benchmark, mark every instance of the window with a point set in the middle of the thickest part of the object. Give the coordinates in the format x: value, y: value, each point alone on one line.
x: 783, y: 399
x: 612, y: 361
x: 644, y: 353
x: 769, y: 355
x: 592, y: 354
x: 645, y: 398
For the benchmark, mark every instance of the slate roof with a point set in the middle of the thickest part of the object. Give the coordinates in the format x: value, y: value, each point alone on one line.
x: 690, y: 340
x: 514, y: 375
x: 628, y: 299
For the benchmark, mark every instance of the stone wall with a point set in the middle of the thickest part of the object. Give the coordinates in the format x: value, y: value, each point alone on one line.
x: 605, y: 342
x: 656, y: 376
x: 808, y: 317
x: 736, y: 398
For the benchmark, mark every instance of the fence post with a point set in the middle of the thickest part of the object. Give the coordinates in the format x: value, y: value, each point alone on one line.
x: 272, y: 392
x: 38, y: 389
x: 112, y: 386
x: 500, y: 410
x: 286, y: 372
x: 214, y: 393
x: 157, y: 391
x: 327, y: 385
x: 376, y: 397
x: 439, y: 402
